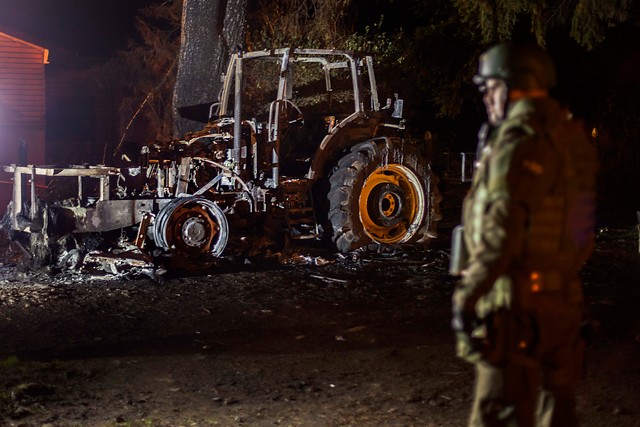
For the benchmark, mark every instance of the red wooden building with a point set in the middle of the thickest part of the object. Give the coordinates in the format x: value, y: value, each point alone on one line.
x: 22, y: 106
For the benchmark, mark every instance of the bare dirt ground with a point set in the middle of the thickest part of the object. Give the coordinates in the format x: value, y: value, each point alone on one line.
x: 362, y: 341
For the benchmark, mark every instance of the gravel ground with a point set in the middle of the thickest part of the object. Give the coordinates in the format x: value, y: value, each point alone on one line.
x: 361, y: 341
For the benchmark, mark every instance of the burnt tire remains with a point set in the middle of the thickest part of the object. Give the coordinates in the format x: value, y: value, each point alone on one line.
x: 191, y: 226
x: 382, y: 192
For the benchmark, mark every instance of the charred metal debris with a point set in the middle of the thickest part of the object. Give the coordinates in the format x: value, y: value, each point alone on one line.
x: 298, y: 146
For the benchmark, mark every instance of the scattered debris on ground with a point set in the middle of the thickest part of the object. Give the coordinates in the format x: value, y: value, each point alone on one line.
x: 361, y: 340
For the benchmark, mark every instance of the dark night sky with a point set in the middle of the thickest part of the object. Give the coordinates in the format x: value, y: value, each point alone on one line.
x: 86, y: 27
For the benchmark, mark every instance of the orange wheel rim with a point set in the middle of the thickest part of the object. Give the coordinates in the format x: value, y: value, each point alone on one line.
x: 392, y: 204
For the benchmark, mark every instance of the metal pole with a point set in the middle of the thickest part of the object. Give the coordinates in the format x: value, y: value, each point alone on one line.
x: 463, y: 161
x: 237, y: 117
x: 33, y: 193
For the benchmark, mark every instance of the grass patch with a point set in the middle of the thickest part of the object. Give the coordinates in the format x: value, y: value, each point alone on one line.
x: 9, y: 362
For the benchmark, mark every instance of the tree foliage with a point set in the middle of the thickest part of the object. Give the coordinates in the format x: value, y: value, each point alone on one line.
x: 298, y: 23
x: 145, y: 72
x: 588, y: 20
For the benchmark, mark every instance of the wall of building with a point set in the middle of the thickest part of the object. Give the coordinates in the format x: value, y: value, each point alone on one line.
x: 22, y: 107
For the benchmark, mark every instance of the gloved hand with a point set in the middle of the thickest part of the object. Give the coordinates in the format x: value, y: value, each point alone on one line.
x: 464, y: 321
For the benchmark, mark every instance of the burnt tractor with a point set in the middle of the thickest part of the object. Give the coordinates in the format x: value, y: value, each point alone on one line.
x: 298, y: 146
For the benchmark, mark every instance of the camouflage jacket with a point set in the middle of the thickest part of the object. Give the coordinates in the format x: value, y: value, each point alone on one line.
x: 529, y: 212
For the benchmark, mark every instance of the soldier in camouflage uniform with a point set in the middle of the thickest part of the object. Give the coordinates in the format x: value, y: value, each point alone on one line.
x: 528, y: 228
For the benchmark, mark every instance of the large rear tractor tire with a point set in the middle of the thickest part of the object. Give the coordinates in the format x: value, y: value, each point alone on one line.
x: 383, y: 193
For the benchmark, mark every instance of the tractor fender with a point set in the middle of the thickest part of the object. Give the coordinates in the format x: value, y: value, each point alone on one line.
x: 356, y: 128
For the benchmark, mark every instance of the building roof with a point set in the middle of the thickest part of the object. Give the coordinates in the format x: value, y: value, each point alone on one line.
x: 19, y: 39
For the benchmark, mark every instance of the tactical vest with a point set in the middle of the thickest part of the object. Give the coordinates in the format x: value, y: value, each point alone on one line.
x: 559, y: 229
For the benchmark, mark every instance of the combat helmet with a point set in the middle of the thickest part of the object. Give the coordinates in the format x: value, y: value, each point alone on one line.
x: 520, y: 66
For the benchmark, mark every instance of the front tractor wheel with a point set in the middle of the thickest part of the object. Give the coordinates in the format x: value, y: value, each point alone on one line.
x: 382, y: 192
x: 191, y: 226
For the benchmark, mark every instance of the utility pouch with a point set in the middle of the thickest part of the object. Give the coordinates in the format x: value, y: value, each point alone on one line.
x: 511, y: 338
x: 459, y: 255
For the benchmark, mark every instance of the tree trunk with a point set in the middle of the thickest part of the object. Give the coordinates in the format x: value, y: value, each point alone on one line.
x: 211, y: 31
